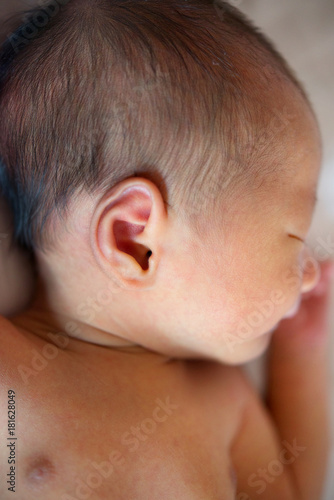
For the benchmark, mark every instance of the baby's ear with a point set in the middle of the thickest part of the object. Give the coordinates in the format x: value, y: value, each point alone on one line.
x: 126, y: 231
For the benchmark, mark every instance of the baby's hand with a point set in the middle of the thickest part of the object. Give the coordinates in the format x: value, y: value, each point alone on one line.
x: 310, y: 323
x: 327, y: 272
x: 298, y: 386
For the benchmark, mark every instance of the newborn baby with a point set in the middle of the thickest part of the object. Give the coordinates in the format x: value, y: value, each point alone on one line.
x: 161, y: 161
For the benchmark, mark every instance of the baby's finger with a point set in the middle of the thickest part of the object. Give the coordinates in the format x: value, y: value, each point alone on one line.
x: 326, y: 273
x: 311, y: 320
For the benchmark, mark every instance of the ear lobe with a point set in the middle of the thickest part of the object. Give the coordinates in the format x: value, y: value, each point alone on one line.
x: 124, y: 233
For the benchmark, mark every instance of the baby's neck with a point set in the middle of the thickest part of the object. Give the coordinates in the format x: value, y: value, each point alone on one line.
x: 52, y: 329
x: 41, y: 319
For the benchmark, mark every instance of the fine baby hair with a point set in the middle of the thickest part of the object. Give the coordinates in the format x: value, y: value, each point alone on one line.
x: 93, y: 92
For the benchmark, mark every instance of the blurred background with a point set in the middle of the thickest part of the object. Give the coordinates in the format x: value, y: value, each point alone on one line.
x: 303, y: 31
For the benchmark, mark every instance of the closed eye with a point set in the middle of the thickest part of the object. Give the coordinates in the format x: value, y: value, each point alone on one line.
x: 296, y: 238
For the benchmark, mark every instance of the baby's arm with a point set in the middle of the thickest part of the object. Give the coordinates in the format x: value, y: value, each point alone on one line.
x: 298, y: 388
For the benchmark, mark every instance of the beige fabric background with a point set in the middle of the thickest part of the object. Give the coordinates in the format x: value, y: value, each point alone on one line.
x: 303, y: 31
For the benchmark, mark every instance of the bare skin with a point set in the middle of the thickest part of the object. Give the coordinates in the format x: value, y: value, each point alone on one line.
x: 133, y: 391
x: 108, y: 400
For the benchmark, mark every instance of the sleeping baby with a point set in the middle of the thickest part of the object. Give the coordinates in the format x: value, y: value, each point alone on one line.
x: 161, y: 161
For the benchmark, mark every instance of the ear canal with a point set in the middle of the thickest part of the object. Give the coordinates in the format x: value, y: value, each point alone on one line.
x: 125, y: 233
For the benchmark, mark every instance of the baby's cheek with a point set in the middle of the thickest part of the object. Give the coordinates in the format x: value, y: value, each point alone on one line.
x: 263, y: 313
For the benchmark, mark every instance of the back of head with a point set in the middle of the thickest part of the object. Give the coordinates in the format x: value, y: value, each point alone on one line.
x: 95, y: 91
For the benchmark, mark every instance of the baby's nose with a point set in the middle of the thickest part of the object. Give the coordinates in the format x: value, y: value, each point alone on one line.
x: 311, y: 269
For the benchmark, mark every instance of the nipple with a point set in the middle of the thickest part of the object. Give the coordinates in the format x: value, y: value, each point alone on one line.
x: 40, y: 471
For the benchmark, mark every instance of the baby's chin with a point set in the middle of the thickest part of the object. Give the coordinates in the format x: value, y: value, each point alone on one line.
x: 249, y: 350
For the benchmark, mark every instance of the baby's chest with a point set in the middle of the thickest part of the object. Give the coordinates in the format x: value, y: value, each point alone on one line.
x: 99, y: 441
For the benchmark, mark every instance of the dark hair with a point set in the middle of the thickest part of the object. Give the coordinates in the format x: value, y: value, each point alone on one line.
x: 95, y: 91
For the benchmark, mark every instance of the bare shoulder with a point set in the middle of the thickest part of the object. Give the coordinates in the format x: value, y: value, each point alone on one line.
x: 202, y: 402
x: 225, y: 387
x: 261, y: 456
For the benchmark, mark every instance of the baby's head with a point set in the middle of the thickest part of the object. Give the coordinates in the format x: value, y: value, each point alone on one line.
x: 161, y: 160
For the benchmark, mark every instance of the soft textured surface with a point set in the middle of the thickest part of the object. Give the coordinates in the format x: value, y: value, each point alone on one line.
x: 303, y: 32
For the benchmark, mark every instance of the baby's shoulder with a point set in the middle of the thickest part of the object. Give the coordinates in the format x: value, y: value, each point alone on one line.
x: 224, y: 389
x: 187, y: 433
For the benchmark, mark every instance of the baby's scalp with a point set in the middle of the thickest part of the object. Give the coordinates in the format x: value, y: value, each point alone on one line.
x: 176, y: 92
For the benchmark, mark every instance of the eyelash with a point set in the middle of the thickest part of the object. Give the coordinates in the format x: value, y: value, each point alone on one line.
x: 296, y: 238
